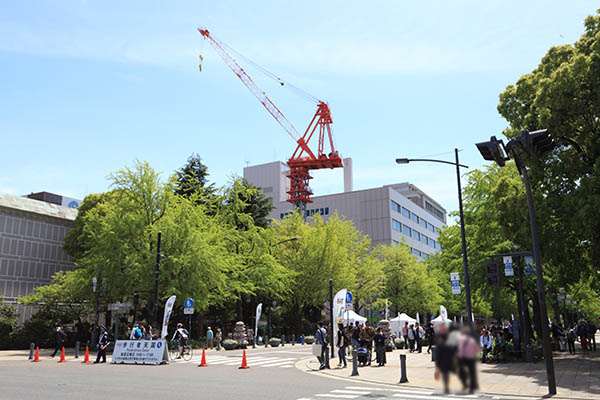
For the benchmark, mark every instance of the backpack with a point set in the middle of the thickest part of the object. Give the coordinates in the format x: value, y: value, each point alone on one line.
x: 137, y: 333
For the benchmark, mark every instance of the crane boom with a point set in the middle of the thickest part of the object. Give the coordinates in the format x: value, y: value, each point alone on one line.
x: 253, y: 87
x: 303, y: 160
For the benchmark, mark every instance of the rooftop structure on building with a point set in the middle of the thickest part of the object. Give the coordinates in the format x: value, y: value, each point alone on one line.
x: 388, y: 214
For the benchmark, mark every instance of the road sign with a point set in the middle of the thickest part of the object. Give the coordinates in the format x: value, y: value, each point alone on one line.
x: 348, y: 297
x: 188, y: 303
x: 188, y: 311
x: 120, y: 307
x: 94, y: 284
x: 455, y: 282
x: 508, y: 266
x: 529, y: 265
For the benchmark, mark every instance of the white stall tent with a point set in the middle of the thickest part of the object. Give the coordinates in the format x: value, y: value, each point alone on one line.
x: 397, y: 323
x: 351, y: 316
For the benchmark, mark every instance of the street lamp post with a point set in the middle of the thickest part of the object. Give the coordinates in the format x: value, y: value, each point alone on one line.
x: 462, y: 223
x: 156, y: 277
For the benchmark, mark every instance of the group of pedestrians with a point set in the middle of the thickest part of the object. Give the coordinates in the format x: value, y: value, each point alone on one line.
x: 358, y: 336
x: 414, y: 335
x: 140, y: 332
x: 456, y: 352
x: 584, y: 331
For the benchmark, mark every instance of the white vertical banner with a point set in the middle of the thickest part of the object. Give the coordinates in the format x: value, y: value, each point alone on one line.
x: 339, y: 308
x: 386, y: 309
x: 167, y: 315
x: 418, y: 319
x: 444, y: 313
x: 258, y: 312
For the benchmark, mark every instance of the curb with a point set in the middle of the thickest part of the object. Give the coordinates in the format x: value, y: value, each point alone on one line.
x: 329, y: 375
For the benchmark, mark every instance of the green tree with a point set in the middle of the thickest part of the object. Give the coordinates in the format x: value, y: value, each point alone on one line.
x: 192, y: 178
x: 8, y: 323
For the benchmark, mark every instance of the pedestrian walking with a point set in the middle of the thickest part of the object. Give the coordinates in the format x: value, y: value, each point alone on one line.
x: 369, y: 336
x: 61, y: 337
x: 356, y: 335
x: 209, y: 338
x: 342, y: 343
x: 467, y: 351
x: 590, y: 331
x: 136, y: 332
x: 444, y: 360
x: 321, y: 338
x: 405, y: 332
x: 411, y: 338
x: 219, y: 338
x: 149, y: 332
x: 380, y: 348
x: 430, y: 335
x: 103, y: 343
x: 571, y: 338
x: 419, y: 332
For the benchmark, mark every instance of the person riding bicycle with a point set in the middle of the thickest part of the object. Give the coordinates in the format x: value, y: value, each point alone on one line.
x: 181, y: 335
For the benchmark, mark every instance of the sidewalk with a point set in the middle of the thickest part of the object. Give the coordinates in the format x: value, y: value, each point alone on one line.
x: 577, y: 376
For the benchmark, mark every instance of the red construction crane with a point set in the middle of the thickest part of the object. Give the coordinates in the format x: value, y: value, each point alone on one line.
x: 303, y: 160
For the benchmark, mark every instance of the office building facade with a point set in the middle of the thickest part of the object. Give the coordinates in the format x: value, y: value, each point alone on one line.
x: 388, y: 214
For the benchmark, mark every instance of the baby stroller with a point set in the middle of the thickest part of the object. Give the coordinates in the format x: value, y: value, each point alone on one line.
x: 363, y: 353
x: 363, y: 356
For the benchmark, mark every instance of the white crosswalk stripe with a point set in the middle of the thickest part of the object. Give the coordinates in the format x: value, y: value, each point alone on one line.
x: 364, y: 392
x: 253, y: 361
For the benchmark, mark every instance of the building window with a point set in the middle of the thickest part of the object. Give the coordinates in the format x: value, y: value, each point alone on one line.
x: 424, y: 239
x: 438, y: 245
x: 405, y: 212
x: 396, y: 242
x: 281, y: 216
x: 423, y: 223
x: 397, y: 226
x: 431, y: 227
x: 424, y: 255
x: 415, y: 218
x: 406, y: 230
x: 416, y: 252
x: 416, y: 235
x: 433, y: 210
x: 395, y: 206
x: 326, y: 210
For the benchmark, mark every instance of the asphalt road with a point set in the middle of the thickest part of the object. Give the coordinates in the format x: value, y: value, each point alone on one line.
x: 272, y: 375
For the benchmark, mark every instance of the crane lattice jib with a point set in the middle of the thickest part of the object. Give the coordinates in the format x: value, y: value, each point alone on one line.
x: 256, y: 91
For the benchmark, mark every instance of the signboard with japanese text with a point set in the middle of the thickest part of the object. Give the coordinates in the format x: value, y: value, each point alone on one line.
x: 188, y: 311
x: 529, y: 265
x: 140, y: 352
x: 508, y: 266
x: 455, y: 282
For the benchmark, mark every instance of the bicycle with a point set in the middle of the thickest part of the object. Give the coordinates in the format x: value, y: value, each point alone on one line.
x: 174, y: 353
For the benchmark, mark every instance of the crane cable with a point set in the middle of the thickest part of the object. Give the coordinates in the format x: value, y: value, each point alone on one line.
x: 299, y: 92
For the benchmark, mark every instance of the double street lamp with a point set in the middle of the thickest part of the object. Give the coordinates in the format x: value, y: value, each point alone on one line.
x: 535, y: 144
x: 462, y: 223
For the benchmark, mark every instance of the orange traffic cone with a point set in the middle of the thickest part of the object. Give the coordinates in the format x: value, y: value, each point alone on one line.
x: 203, y: 362
x: 37, y: 355
x: 62, y: 356
x: 244, y: 363
x: 86, y: 359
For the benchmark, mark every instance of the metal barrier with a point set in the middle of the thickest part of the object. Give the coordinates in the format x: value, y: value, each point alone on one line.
x: 354, y: 362
x: 403, y: 378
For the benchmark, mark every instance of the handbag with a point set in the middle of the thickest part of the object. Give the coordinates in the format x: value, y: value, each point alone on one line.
x: 316, y: 349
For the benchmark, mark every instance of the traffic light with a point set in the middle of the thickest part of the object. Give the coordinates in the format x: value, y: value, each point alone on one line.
x: 540, y: 142
x: 492, y: 278
x: 493, y: 151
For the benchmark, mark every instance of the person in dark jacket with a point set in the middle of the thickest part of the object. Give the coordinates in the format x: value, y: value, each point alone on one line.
x: 102, y: 345
x: 444, y: 360
x: 321, y: 338
x: 61, y: 336
x: 342, y: 343
x: 380, y: 348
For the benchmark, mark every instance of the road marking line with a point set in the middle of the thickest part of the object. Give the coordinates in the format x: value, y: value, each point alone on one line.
x: 390, y: 390
x: 277, y: 364
x: 349, y: 392
x: 339, y: 396
x: 268, y: 362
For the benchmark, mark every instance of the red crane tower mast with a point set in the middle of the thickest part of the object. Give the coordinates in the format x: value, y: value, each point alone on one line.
x: 304, y: 159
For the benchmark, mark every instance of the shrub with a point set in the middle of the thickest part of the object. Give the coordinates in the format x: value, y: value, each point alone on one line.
x: 230, y: 344
x: 309, y: 339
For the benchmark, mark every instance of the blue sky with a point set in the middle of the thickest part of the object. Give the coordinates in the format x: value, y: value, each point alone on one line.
x: 88, y: 87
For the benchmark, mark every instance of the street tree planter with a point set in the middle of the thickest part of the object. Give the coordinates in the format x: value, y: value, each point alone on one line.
x: 309, y: 339
x: 274, y: 342
x: 229, y: 344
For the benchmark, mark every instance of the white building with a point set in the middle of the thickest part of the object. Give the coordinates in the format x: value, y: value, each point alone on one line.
x: 388, y: 214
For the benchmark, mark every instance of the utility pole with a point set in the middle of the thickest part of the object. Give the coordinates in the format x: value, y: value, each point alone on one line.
x: 464, y: 244
x: 156, y: 276
x: 331, y: 335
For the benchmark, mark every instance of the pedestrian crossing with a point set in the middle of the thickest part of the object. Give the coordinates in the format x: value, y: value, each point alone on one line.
x: 366, y: 392
x: 253, y: 361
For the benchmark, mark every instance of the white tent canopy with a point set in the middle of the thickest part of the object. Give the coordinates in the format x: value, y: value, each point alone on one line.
x: 351, y: 316
x: 397, y: 323
x: 440, y: 321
